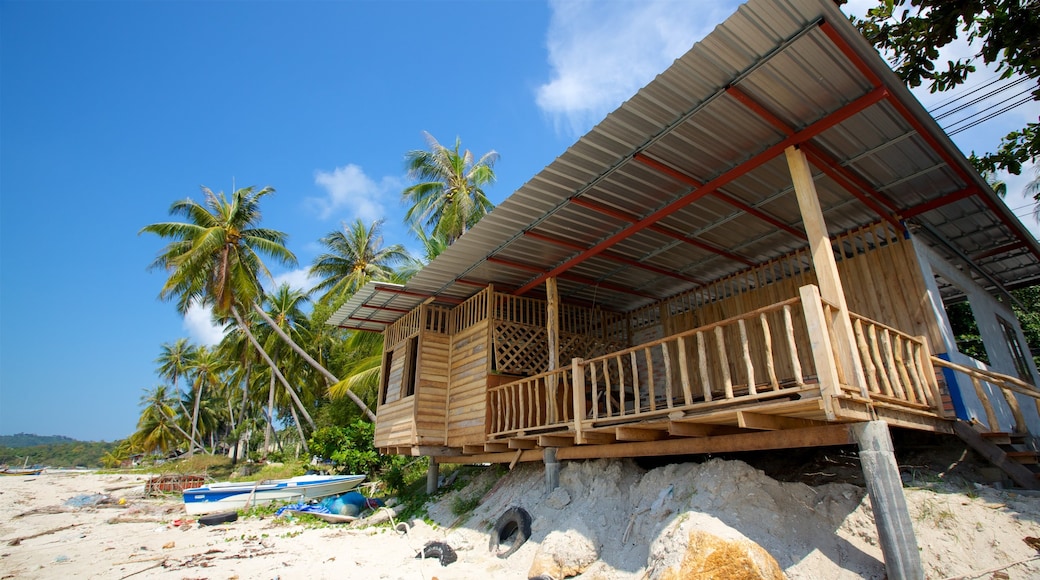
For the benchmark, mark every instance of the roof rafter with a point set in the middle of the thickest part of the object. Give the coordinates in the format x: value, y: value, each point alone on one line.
x: 856, y: 106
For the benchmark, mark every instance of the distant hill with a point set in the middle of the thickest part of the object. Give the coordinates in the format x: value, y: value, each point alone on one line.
x: 31, y: 439
x: 52, y: 450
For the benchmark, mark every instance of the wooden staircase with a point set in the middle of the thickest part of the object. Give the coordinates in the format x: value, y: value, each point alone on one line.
x: 1006, y: 451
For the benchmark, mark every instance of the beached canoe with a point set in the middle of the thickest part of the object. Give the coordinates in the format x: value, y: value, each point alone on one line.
x: 226, y: 496
x: 21, y: 471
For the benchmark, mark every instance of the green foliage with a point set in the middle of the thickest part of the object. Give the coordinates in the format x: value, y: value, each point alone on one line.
x: 31, y: 439
x: 65, y: 454
x: 1007, y: 32
x: 349, y: 448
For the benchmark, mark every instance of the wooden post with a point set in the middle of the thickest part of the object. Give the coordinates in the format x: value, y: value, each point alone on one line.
x: 432, y: 475
x: 552, y: 331
x: 887, y: 501
x: 578, y: 382
x: 826, y: 371
x: 825, y: 266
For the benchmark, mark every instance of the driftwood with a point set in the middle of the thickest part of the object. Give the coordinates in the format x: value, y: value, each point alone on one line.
x: 18, y: 540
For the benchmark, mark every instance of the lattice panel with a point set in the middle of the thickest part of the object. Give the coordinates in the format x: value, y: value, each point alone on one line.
x: 523, y: 350
x: 520, y: 349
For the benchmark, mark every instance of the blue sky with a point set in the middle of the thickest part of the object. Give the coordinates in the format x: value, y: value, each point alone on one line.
x: 110, y: 111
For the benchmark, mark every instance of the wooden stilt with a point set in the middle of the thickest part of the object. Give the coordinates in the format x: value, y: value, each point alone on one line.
x: 885, y: 488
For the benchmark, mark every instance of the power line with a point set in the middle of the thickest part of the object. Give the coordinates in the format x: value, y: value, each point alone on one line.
x: 977, y: 100
x: 990, y: 116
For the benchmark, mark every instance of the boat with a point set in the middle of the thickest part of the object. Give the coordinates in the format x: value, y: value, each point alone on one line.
x: 21, y: 471
x: 228, y: 496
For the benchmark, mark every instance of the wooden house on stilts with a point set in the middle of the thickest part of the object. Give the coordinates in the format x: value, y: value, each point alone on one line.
x: 753, y: 252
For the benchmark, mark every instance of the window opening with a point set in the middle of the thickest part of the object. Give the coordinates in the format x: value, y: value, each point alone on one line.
x: 962, y: 321
x: 1017, y: 354
x: 410, y: 369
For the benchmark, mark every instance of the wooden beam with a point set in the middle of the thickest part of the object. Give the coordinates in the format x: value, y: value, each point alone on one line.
x: 750, y: 420
x: 472, y: 449
x: 639, y: 434
x: 835, y: 434
x: 555, y: 441
x: 496, y: 447
x: 525, y: 455
x: 826, y: 267
x: 522, y: 444
x: 598, y: 437
x: 681, y: 429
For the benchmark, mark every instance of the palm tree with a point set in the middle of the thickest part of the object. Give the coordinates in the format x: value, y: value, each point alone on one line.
x: 175, y: 359
x: 205, y: 371
x: 1033, y: 189
x: 355, y: 255
x: 214, y: 259
x: 449, y: 197
x: 156, y: 428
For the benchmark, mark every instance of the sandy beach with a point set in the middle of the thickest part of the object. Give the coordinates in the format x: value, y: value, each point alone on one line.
x: 110, y: 529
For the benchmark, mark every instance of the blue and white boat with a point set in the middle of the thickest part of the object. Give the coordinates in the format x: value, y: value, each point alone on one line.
x: 227, y: 496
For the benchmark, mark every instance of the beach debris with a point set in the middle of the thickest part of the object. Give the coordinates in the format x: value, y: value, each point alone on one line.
x: 218, y: 518
x: 515, y: 525
x: 172, y: 482
x: 20, y: 539
x: 440, y: 550
x: 169, y: 545
x: 88, y: 500
x: 564, y: 554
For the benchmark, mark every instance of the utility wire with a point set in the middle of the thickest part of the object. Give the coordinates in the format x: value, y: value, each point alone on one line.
x: 989, y: 116
x: 979, y: 99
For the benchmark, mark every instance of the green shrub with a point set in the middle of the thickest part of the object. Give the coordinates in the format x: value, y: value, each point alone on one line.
x: 349, y: 448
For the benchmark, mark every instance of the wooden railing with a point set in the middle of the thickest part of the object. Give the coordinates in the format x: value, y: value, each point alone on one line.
x: 1008, y: 386
x: 772, y: 352
x: 760, y: 354
x: 527, y: 404
x: 898, y: 367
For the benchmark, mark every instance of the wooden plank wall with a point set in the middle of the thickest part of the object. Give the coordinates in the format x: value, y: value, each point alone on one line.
x: 431, y: 390
x: 883, y: 281
x: 467, y: 395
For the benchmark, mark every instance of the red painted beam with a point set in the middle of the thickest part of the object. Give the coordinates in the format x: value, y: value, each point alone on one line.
x: 939, y: 202
x: 999, y: 250
x: 845, y: 178
x: 572, y: 278
x: 925, y: 134
x: 611, y: 256
x: 609, y: 211
x: 761, y: 158
x: 683, y: 178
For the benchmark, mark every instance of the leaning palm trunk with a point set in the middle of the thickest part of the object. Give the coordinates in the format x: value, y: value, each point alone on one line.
x: 299, y: 428
x: 274, y: 368
x: 195, y: 420
x: 270, y: 413
x: 328, y: 375
x: 192, y: 444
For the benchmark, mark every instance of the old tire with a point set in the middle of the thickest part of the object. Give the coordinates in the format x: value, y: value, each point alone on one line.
x: 514, y: 525
x: 217, y: 519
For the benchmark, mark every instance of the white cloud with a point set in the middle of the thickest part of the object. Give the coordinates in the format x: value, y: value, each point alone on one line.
x: 601, y: 53
x: 198, y: 321
x: 297, y: 279
x: 352, y: 192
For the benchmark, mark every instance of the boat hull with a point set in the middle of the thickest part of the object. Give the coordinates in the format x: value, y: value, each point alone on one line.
x: 218, y: 497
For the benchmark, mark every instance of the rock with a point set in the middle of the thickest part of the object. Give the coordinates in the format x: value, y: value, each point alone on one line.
x: 558, y: 499
x: 702, y: 547
x: 564, y: 554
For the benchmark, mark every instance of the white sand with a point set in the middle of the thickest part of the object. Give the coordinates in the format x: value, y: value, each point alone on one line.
x: 813, y: 532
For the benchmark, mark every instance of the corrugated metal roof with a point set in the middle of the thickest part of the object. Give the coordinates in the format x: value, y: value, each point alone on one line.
x: 687, y: 182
